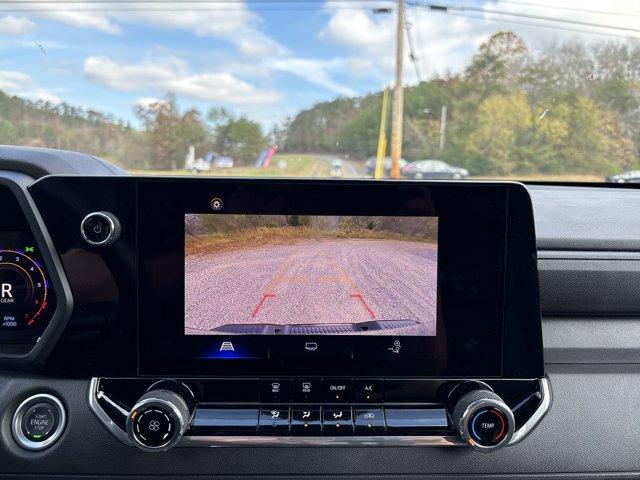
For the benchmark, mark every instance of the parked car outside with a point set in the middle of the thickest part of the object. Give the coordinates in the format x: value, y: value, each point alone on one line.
x: 223, y: 162
x: 433, y: 170
x: 370, y: 165
x: 336, y: 168
x: 632, y: 176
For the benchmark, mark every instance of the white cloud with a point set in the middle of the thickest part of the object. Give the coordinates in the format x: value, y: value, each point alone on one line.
x: 40, y: 94
x: 146, y: 102
x: 81, y: 15
x: 359, y: 29
x: 441, y: 45
x: 21, y: 84
x: 445, y: 43
x: 172, y: 75
x: 314, y: 71
x: 232, y: 21
x: 12, y: 25
x: 13, y: 81
x: 94, y: 20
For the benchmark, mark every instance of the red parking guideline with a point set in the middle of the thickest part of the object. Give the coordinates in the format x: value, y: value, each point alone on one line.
x: 262, y: 300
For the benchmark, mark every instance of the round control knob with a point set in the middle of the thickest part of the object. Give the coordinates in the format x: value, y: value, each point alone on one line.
x: 158, y: 420
x: 483, y: 420
x: 100, y: 229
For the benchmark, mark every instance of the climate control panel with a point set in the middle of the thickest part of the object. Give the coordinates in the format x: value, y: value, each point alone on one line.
x: 155, y: 415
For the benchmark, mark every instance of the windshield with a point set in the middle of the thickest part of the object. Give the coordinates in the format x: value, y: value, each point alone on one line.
x: 505, y: 89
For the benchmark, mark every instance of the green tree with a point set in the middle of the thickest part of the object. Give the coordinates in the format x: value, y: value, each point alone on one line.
x: 239, y: 138
x: 170, y: 132
x: 502, y: 125
x: 499, y: 62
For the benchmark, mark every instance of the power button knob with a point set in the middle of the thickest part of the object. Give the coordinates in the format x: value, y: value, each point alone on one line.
x: 483, y: 420
x: 100, y: 229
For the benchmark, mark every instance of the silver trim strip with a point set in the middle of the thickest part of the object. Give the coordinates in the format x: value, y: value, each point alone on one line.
x: 100, y: 395
x: 545, y: 405
x: 355, y: 441
x: 102, y: 415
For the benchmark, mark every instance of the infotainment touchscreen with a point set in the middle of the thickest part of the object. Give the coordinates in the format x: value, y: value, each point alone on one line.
x: 310, y: 275
x: 272, y: 277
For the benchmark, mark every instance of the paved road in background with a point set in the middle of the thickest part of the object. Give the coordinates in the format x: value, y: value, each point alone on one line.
x: 350, y: 168
x: 314, y: 281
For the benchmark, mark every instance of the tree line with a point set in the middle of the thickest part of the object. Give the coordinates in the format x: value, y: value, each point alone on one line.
x: 570, y: 107
x: 566, y: 108
x: 169, y: 133
x: 162, y: 142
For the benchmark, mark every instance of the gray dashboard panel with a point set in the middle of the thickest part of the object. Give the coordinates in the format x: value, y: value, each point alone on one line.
x: 38, y: 162
x: 586, y: 218
x: 593, y: 340
x: 589, y: 283
x: 580, y: 434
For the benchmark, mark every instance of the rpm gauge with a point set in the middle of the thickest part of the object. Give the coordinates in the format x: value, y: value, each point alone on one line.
x: 23, y: 290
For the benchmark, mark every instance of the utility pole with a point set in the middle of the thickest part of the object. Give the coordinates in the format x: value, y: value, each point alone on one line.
x: 398, y: 97
x: 443, y: 126
x: 382, y: 138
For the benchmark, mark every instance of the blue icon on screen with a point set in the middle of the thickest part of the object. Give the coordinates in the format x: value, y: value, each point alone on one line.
x: 228, y: 350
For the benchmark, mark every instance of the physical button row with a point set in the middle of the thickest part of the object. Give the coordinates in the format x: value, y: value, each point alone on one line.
x: 325, y: 390
x: 326, y: 420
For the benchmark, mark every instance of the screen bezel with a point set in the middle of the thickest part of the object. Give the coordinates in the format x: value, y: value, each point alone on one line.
x: 457, y: 350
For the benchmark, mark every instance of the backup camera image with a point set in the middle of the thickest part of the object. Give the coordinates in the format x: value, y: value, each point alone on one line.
x: 310, y: 275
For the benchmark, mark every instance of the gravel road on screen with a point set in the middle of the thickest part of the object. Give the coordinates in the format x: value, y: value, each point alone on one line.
x: 314, y: 281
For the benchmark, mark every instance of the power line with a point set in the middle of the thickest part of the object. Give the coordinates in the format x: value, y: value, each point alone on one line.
x: 174, y: 6
x: 412, y: 50
x: 116, y: 9
x: 538, y: 25
x: 544, y: 18
x: 570, y: 9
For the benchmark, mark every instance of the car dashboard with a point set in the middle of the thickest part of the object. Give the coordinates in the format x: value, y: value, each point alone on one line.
x: 493, y: 329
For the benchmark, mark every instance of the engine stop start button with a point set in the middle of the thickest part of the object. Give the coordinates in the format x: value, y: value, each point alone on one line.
x: 39, y: 422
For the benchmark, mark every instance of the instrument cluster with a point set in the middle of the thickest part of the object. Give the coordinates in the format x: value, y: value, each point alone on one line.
x: 24, y: 289
x: 27, y: 297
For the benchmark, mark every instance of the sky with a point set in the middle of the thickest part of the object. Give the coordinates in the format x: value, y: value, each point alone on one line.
x: 258, y: 58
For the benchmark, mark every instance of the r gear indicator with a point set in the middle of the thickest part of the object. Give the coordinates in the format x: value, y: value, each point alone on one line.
x: 23, y: 290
